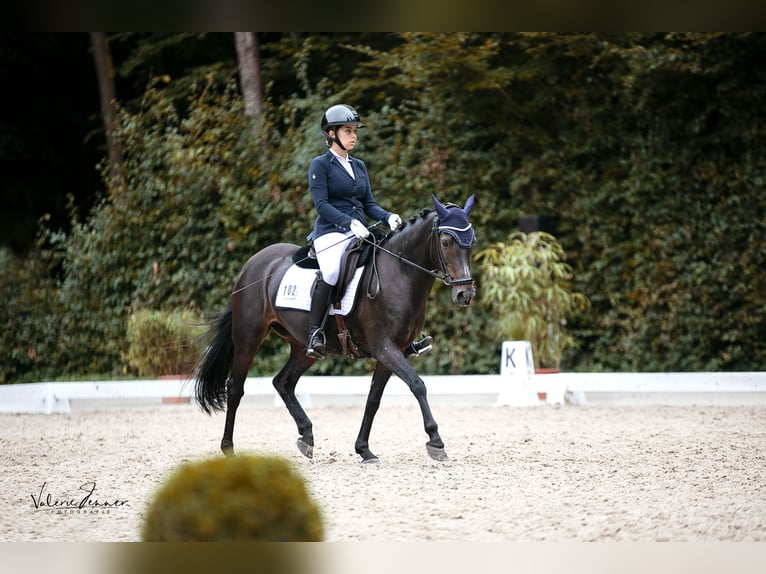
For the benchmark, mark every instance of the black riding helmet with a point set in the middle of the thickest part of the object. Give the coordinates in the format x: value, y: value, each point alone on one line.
x: 339, y: 115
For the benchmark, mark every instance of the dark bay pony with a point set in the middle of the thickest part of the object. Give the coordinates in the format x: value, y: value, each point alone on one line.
x: 435, y: 244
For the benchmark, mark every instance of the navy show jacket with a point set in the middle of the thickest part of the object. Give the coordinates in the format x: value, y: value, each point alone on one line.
x: 338, y: 198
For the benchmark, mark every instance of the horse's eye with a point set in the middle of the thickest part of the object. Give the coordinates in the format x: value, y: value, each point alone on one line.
x: 445, y: 241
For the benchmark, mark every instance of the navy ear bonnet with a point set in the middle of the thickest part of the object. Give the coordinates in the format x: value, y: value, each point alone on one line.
x: 454, y: 221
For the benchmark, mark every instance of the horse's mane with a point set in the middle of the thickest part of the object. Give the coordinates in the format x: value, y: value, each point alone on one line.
x: 411, y: 222
x: 420, y: 215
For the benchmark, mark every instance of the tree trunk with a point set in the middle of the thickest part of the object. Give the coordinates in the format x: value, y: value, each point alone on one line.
x: 105, y: 73
x: 249, y: 73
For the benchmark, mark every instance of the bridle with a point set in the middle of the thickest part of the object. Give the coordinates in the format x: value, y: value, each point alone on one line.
x: 440, y: 274
x: 445, y: 276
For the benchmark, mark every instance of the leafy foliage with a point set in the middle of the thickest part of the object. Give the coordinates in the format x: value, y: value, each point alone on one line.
x: 164, y: 342
x: 644, y: 148
x: 527, y: 287
x: 30, y: 318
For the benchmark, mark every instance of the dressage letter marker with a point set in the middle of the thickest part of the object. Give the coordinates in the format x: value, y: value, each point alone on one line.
x: 517, y: 369
x: 516, y: 359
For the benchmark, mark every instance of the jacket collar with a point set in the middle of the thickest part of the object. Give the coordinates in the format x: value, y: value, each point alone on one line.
x: 337, y: 161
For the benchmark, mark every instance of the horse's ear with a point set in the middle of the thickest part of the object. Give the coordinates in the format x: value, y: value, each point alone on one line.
x: 468, y: 205
x: 441, y: 211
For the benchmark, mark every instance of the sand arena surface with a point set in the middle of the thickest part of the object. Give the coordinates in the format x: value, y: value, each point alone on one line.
x: 562, y: 474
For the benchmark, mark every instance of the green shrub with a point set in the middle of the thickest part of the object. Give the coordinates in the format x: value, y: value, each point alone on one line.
x: 164, y: 342
x: 242, y: 498
x: 527, y: 285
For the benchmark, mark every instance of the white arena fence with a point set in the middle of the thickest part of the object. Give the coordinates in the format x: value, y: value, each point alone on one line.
x: 505, y: 389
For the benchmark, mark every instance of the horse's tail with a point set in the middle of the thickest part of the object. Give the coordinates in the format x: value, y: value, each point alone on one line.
x: 213, y: 368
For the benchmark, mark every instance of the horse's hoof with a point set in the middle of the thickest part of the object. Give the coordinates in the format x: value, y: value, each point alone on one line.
x: 227, y: 448
x: 436, y: 453
x: 306, y: 449
x: 372, y: 460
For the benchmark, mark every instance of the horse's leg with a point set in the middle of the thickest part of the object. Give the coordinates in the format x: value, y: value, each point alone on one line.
x: 379, y: 379
x: 284, y: 382
x: 235, y: 389
x: 394, y: 359
x: 245, y: 347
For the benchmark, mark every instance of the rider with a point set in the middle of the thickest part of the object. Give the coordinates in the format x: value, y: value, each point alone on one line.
x: 342, y: 194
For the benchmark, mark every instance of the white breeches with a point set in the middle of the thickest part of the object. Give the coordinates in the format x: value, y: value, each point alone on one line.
x: 329, y: 249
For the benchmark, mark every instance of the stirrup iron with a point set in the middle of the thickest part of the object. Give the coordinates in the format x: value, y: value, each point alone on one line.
x: 417, y: 348
x: 317, y: 344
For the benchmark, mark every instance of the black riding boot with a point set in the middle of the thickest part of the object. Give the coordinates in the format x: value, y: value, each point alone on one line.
x: 320, y: 301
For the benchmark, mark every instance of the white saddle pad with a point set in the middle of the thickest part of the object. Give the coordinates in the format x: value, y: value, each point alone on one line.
x: 295, y: 290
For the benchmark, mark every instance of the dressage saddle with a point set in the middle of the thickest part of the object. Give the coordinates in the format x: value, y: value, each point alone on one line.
x: 357, y: 255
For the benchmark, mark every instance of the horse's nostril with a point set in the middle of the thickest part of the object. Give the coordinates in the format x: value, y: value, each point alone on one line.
x: 464, y: 298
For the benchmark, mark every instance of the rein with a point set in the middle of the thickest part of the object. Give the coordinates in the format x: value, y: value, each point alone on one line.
x: 440, y: 274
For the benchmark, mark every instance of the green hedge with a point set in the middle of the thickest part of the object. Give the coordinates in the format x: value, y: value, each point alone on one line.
x: 645, y: 148
x: 31, y: 319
